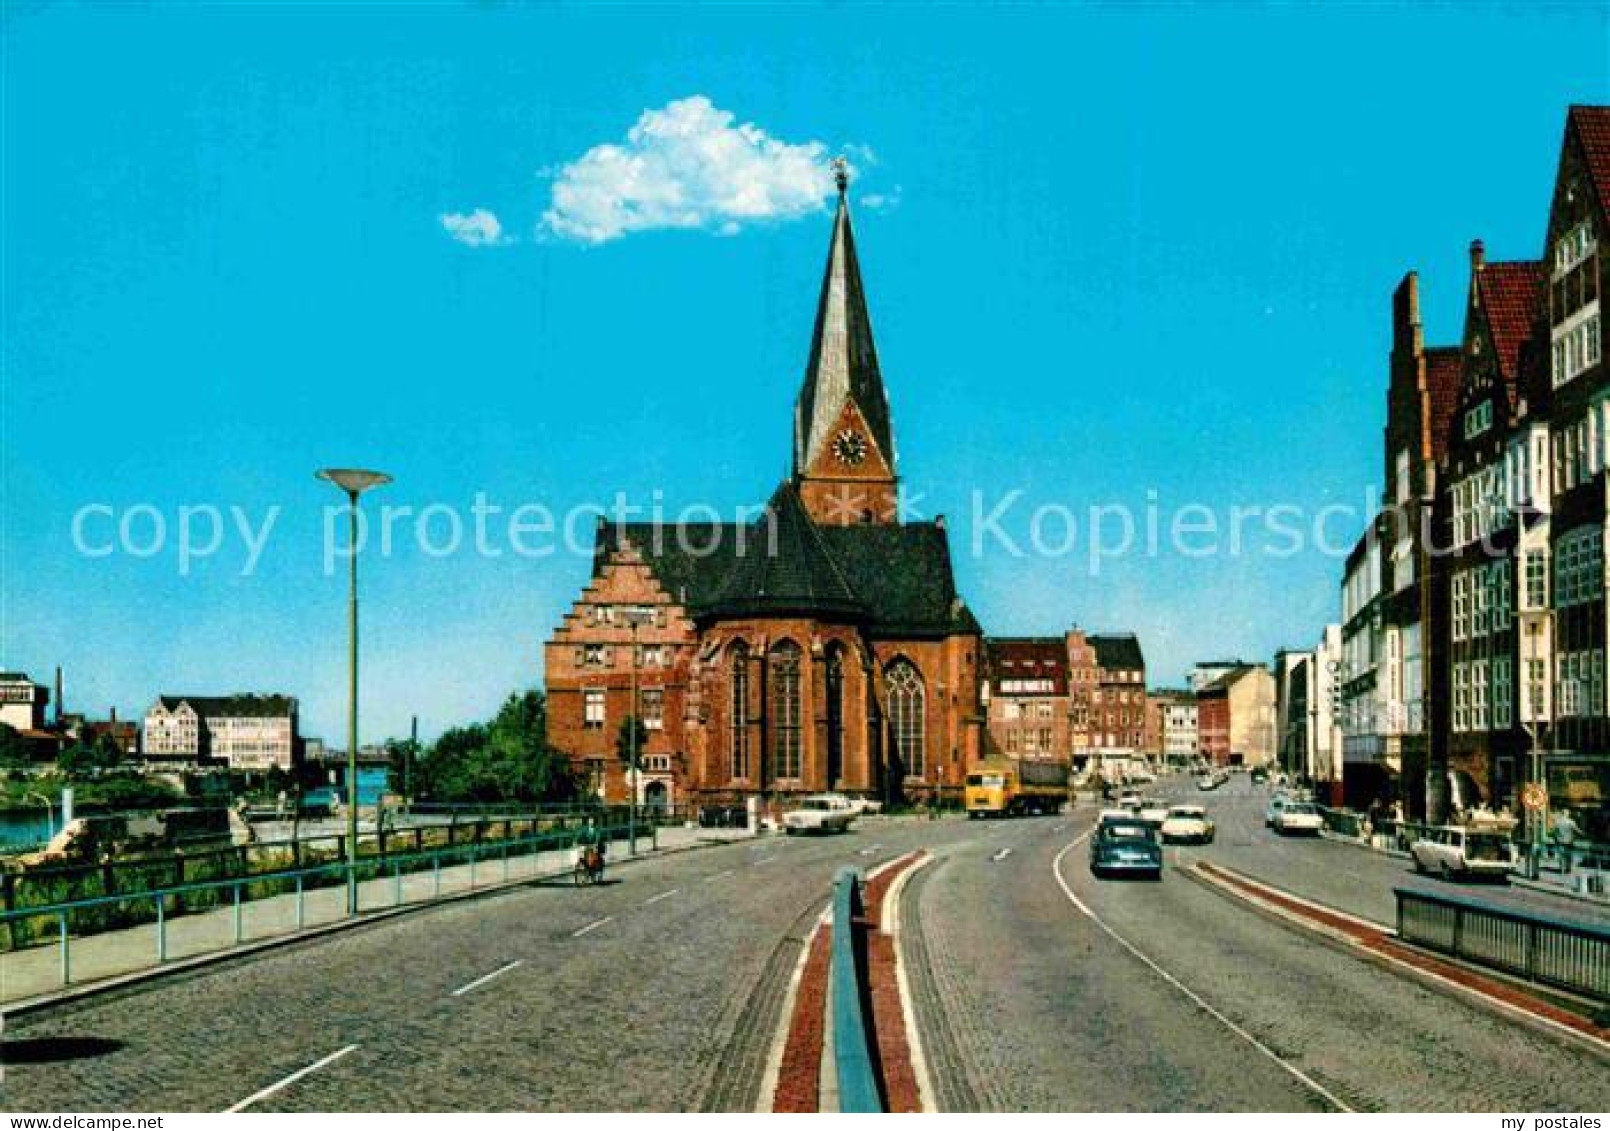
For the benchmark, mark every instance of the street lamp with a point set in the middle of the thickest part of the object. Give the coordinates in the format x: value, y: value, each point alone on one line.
x: 353, y: 482
x: 636, y: 618
x: 1535, y: 714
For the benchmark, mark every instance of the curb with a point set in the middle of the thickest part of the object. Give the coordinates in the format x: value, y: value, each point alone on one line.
x: 1579, y: 1031
x: 134, y: 980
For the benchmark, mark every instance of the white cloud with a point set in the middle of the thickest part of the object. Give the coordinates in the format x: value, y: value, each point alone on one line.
x: 881, y: 201
x: 479, y: 228
x: 686, y: 165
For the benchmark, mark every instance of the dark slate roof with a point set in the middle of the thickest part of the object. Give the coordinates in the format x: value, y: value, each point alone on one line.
x: 1028, y: 657
x: 895, y: 578
x: 239, y: 706
x: 787, y: 569
x: 842, y: 364
x: 1442, y: 389
x: 1509, y: 297
x: 1119, y: 652
x: 1222, y: 684
x: 1593, y: 128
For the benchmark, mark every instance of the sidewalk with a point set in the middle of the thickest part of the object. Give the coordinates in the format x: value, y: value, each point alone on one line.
x: 1548, y: 882
x: 37, y: 971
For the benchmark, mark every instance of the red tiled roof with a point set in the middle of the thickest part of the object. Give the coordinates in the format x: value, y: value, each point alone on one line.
x: 1593, y: 127
x: 1442, y: 388
x: 1509, y: 295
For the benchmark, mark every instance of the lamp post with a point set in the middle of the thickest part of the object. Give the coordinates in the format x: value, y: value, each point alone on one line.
x: 50, y: 813
x: 635, y: 618
x: 1536, y: 632
x: 353, y: 482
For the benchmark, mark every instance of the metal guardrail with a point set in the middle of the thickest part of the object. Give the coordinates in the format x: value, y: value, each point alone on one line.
x: 169, y: 902
x: 1564, y: 953
x: 852, y: 1051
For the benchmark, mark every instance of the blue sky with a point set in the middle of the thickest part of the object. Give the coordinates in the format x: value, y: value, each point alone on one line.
x: 1118, y: 251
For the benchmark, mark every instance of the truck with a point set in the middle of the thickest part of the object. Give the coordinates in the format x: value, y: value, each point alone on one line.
x: 1013, y: 787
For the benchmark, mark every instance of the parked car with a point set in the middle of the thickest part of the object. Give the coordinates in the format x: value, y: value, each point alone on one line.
x: 1296, y: 817
x: 818, y: 814
x: 1126, y: 846
x: 1456, y: 851
x: 1259, y: 776
x: 1129, y: 799
x: 1187, y: 824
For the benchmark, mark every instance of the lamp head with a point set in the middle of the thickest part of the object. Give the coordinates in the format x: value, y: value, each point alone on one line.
x: 352, y: 480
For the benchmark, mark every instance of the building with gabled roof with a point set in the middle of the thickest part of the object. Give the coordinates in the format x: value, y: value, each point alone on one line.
x: 245, y: 731
x: 819, y: 645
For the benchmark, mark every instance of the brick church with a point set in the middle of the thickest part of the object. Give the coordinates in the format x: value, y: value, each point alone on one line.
x: 821, y: 646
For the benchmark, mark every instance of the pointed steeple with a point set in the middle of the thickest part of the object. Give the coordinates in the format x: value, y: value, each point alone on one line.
x: 843, y: 366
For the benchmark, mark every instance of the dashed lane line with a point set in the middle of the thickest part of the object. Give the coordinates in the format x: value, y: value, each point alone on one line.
x: 289, y: 1080
x: 1196, y: 999
x: 721, y: 875
x: 485, y: 978
x: 1001, y: 855
x: 662, y: 895
x: 593, y: 926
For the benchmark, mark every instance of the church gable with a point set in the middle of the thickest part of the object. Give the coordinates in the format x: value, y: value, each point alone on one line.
x: 851, y: 451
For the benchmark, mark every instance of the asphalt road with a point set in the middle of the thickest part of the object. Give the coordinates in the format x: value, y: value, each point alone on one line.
x: 658, y: 991
x: 1042, y: 988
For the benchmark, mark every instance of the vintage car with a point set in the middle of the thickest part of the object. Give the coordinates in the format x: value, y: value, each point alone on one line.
x: 1187, y: 824
x: 1454, y: 851
x: 820, y: 813
x: 1126, y: 846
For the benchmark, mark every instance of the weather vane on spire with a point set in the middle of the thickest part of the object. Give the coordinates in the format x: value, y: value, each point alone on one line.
x: 841, y: 174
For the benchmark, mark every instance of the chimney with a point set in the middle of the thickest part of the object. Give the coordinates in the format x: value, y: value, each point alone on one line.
x: 939, y: 521
x: 112, y: 714
x: 58, y: 695
x: 1478, y: 255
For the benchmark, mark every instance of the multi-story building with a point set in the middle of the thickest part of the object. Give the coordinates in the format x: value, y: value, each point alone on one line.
x: 1493, y: 517
x: 1029, y: 709
x: 822, y: 645
x: 1118, y: 706
x: 1236, y: 717
x: 1176, y: 724
x: 22, y: 702
x: 247, y: 732
x: 1308, y: 713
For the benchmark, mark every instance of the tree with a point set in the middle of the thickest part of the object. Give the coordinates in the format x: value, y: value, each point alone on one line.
x: 625, y: 745
x: 507, y: 759
x: 13, y: 748
x: 82, y: 759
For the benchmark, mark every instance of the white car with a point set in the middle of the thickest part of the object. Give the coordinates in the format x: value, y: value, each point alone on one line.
x: 1288, y: 817
x: 1453, y: 851
x: 1187, y: 824
x: 1153, y: 811
x: 819, y: 814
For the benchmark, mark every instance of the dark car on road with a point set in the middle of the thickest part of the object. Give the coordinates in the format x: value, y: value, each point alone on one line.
x: 1126, y: 846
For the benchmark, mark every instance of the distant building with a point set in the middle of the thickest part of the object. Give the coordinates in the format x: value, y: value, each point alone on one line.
x: 245, y: 732
x: 1211, y: 670
x: 1175, y: 712
x: 1236, y: 717
x: 22, y: 702
x: 1118, y: 710
x: 1027, y: 694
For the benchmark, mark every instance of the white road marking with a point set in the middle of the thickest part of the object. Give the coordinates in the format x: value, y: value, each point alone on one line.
x: 662, y: 895
x: 762, y: 860
x: 718, y: 876
x: 870, y: 849
x: 779, y: 1040
x: 1195, y: 998
x: 485, y: 978
x: 289, y: 1080
x: 593, y: 926
x: 1001, y: 855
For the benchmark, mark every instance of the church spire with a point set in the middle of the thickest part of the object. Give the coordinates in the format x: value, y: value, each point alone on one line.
x: 843, y: 369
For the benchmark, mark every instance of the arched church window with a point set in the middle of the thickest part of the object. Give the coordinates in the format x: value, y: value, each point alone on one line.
x: 907, y: 717
x: 738, y: 710
x: 786, y: 713
x: 835, y: 715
